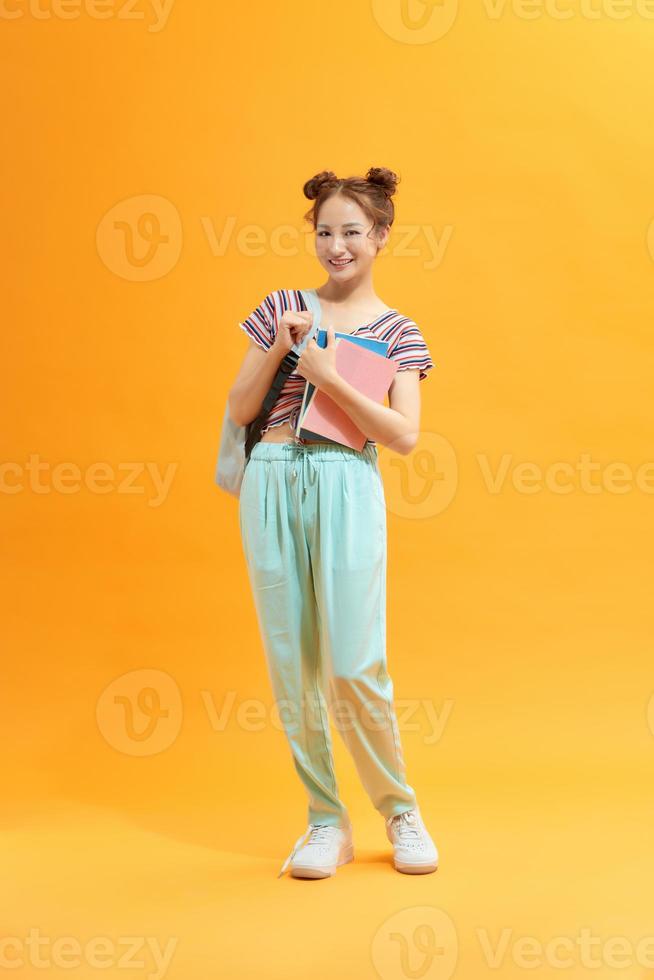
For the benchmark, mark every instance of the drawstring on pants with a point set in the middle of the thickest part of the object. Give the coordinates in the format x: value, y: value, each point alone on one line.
x: 305, y: 462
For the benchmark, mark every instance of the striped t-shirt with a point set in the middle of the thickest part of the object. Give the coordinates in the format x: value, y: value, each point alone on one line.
x: 406, y: 346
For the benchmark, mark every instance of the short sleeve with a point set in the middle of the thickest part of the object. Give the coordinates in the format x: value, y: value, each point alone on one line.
x: 260, y: 324
x: 410, y: 350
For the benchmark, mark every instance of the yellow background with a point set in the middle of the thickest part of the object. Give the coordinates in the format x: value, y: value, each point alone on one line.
x: 525, y: 146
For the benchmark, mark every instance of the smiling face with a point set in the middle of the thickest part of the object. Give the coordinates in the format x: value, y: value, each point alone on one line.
x: 346, y: 245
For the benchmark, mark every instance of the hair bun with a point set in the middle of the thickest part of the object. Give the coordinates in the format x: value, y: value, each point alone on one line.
x: 316, y: 183
x: 384, y: 178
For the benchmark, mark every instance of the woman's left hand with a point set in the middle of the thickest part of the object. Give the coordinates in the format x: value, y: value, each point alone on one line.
x: 318, y: 364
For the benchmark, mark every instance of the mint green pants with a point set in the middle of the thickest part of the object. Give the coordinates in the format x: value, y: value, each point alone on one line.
x: 313, y: 525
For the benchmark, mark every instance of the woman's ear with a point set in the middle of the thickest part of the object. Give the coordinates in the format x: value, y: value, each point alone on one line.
x: 383, y: 237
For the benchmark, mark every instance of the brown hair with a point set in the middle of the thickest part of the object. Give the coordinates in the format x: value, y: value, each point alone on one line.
x: 372, y: 193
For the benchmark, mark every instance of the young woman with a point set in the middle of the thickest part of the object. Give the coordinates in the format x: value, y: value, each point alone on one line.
x: 313, y: 524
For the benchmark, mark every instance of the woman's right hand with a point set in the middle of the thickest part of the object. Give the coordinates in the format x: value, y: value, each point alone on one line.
x: 292, y: 328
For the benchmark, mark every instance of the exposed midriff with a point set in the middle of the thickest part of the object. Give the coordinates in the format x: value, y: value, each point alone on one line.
x: 284, y: 433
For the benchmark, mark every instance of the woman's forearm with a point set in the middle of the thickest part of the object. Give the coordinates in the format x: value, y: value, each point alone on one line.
x: 246, y: 396
x: 379, y: 422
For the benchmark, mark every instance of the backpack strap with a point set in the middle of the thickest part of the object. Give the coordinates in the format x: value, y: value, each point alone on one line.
x: 310, y: 301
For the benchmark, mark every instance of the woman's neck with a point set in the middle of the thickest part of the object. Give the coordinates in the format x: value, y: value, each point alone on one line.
x: 349, y: 294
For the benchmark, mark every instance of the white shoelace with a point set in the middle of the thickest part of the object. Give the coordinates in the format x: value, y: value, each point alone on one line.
x: 406, y: 825
x: 317, y: 833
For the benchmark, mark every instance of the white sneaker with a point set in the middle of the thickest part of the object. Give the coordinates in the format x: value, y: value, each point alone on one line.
x: 414, y: 852
x: 326, y: 848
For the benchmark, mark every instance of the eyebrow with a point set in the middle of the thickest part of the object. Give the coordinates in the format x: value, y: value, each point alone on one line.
x: 321, y: 224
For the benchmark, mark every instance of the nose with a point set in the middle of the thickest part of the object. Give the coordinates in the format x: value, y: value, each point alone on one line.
x: 338, y: 247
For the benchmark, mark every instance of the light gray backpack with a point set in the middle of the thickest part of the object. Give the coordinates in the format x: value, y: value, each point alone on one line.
x: 236, y: 441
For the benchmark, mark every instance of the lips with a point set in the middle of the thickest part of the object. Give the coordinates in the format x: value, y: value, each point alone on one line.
x: 340, y: 263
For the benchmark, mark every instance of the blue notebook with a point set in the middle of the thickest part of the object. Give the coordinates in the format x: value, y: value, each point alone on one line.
x: 378, y: 346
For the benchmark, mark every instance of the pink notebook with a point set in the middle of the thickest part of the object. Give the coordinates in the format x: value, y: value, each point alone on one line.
x: 369, y: 373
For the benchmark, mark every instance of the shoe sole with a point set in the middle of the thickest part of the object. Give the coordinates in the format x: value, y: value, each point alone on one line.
x: 326, y: 871
x: 415, y: 869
